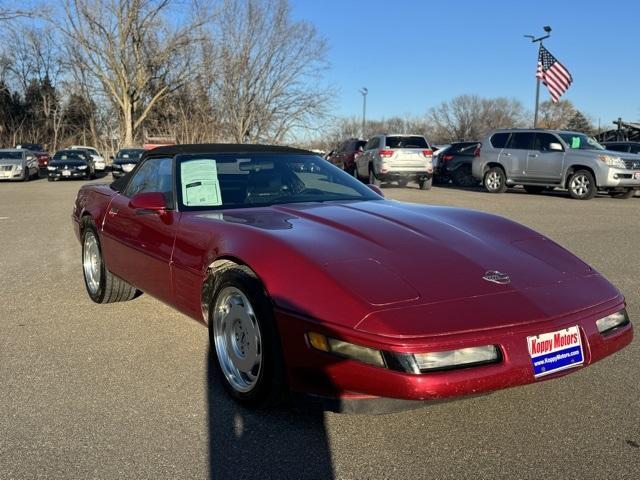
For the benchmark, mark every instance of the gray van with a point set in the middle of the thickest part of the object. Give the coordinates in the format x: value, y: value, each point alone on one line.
x: 540, y: 159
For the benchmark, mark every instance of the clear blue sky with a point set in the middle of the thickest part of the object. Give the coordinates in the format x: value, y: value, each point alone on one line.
x: 414, y: 54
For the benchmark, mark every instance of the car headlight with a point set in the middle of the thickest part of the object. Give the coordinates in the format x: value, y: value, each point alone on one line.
x: 82, y: 167
x: 462, y: 357
x: 612, y: 161
x: 613, y: 321
x: 50, y: 168
x: 346, y: 349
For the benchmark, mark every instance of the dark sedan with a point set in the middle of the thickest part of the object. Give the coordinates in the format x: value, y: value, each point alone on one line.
x: 125, y: 161
x: 71, y: 164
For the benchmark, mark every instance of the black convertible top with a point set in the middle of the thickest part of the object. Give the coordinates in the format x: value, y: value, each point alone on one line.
x: 223, y: 148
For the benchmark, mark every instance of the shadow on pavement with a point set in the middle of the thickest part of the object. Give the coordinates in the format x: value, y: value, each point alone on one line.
x: 269, y: 444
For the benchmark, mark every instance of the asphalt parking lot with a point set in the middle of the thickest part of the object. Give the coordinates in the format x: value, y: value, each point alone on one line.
x: 125, y: 390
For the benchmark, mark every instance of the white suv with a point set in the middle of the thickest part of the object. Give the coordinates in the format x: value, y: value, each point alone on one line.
x: 396, y: 158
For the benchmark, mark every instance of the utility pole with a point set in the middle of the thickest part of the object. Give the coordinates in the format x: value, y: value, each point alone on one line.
x: 364, y: 92
x: 547, y: 30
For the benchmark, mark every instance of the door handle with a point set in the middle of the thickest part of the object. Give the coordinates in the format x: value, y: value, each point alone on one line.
x: 533, y: 154
x: 507, y: 154
x: 113, y: 212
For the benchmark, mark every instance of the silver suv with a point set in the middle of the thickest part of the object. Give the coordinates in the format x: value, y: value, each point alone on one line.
x: 396, y: 158
x: 541, y: 159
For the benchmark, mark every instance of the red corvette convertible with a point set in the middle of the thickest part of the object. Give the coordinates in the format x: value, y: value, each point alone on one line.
x: 311, y: 282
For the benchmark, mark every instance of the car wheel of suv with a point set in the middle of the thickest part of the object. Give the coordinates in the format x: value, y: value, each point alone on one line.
x: 495, y: 181
x: 242, y: 331
x: 425, y: 183
x: 102, y: 286
x: 628, y: 193
x: 373, y: 180
x: 582, y: 185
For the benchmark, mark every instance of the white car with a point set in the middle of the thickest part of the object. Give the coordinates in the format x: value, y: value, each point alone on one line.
x: 97, y: 158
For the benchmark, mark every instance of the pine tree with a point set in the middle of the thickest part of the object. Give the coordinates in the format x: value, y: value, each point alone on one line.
x: 580, y: 123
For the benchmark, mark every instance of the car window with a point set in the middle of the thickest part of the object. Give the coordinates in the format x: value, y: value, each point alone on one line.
x: 542, y: 141
x: 617, y: 147
x: 521, y: 141
x: 154, y: 175
x: 464, y: 148
x: 360, y: 143
x: 580, y: 141
x: 70, y: 155
x: 243, y: 181
x: 11, y: 155
x: 397, y: 141
x: 499, y: 140
x: 372, y: 143
x: 634, y: 148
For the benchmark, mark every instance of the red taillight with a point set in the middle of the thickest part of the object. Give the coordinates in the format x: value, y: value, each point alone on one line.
x: 446, y: 158
x: 427, y: 153
x: 476, y: 152
x: 386, y: 153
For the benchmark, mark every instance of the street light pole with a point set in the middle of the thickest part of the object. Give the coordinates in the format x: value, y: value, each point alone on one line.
x: 547, y: 29
x: 364, y: 92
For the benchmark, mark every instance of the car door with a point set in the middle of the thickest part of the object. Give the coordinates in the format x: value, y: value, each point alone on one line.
x: 514, y: 155
x: 543, y: 163
x: 138, y: 244
x: 362, y: 161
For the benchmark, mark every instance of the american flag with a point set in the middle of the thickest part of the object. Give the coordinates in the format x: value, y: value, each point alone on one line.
x: 553, y: 74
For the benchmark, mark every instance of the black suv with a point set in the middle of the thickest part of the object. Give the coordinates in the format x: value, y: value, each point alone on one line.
x: 454, y: 163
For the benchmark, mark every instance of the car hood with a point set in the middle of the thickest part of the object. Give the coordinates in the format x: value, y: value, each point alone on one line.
x: 68, y: 163
x: 406, y: 259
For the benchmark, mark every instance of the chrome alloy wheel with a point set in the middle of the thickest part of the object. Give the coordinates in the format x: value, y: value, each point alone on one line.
x: 237, y: 339
x: 580, y: 185
x: 91, y: 262
x: 494, y: 181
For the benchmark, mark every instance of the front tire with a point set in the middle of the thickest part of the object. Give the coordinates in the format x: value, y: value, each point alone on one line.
x: 495, y: 180
x: 582, y: 185
x: 242, y: 331
x: 102, y: 286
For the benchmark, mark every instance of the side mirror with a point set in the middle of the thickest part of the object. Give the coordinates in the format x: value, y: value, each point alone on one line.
x: 555, y: 147
x: 149, y: 201
x: 376, y: 189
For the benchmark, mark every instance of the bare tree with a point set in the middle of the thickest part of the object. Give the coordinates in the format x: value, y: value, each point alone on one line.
x: 269, y: 71
x: 132, y: 52
x: 555, y: 115
x: 470, y: 117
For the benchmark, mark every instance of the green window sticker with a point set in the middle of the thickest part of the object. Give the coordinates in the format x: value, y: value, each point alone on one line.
x: 200, y: 184
x: 575, y: 142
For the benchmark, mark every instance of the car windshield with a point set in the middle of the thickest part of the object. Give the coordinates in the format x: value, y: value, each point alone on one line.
x: 11, y: 155
x: 406, y: 142
x: 34, y: 147
x: 580, y: 141
x: 129, y: 155
x: 241, y: 181
x: 69, y: 155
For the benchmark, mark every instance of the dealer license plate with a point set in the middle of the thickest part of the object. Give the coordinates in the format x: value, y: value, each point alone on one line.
x: 66, y: 173
x: 555, y: 351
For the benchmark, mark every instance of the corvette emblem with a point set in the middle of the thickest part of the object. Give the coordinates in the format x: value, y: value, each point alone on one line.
x: 497, y: 277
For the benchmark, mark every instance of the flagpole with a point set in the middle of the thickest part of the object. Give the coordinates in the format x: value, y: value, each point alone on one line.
x: 547, y: 29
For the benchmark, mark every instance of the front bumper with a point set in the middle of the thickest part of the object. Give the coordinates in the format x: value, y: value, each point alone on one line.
x: 324, y: 375
x: 12, y: 173
x: 619, y: 178
x: 71, y: 174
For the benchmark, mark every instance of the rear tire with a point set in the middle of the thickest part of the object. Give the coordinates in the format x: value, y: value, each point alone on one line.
x: 581, y: 185
x: 102, y: 286
x: 27, y: 176
x: 495, y: 180
x: 243, y: 334
x: 425, y: 184
x: 462, y: 177
x: 623, y: 195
